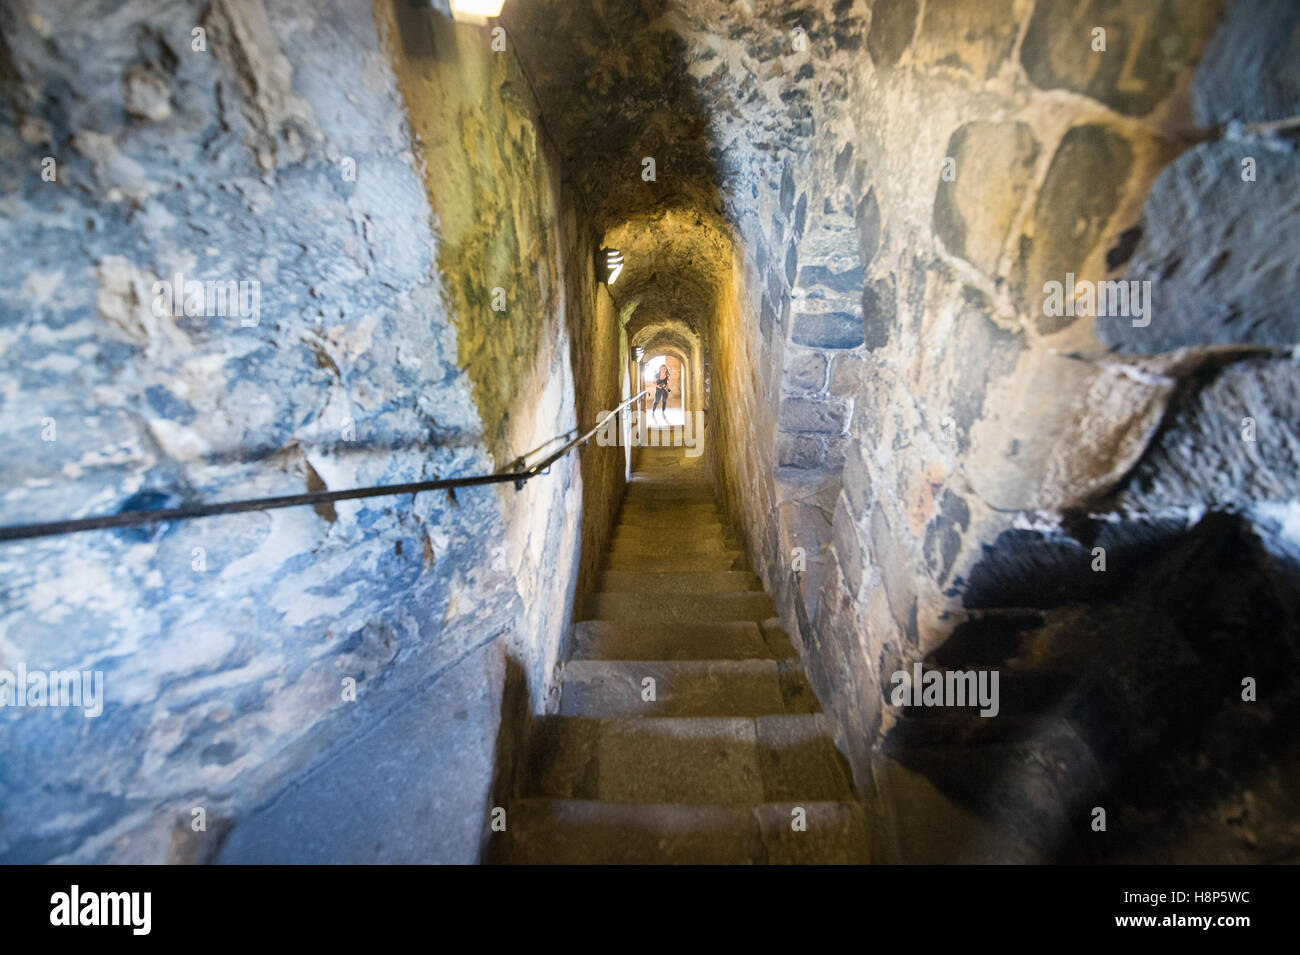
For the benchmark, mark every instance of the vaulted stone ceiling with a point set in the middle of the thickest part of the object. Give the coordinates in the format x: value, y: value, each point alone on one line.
x: 673, y: 264
x: 658, y: 335
x: 714, y: 90
x: 710, y: 91
x: 614, y: 90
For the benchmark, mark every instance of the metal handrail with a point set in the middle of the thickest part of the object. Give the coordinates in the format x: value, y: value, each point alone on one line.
x: 136, y: 518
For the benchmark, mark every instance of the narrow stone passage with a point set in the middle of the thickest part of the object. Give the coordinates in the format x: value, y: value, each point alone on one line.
x: 687, y: 731
x: 986, y: 308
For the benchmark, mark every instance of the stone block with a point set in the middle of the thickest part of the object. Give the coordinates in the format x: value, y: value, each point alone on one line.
x: 805, y: 451
x: 892, y: 24
x: 974, y: 211
x: 805, y: 370
x: 1148, y: 44
x: 828, y: 330
x: 1083, y: 188
x: 812, y: 414
x: 974, y: 38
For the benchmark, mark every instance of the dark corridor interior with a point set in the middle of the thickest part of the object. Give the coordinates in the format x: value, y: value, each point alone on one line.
x: 972, y: 533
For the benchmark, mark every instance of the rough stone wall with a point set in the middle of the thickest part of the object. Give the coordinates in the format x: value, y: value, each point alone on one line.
x: 741, y: 417
x: 599, y: 369
x: 747, y: 79
x: 279, y: 149
x: 991, y: 435
x: 856, y: 208
x: 989, y: 447
x: 515, y: 259
x: 902, y: 178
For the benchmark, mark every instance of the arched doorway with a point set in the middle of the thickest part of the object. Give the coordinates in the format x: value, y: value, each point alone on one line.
x: 673, y: 410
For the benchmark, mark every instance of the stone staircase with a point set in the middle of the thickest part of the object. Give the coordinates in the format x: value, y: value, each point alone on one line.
x: 716, y: 766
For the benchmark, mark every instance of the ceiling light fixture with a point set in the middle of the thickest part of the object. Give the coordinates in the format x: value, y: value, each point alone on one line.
x: 613, y: 265
x: 475, y: 11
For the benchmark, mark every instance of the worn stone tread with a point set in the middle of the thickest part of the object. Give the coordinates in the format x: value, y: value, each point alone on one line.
x: 658, y: 607
x: 686, y: 759
x: 679, y: 582
x: 577, y: 832
x: 682, y: 688
x: 732, y: 749
x: 667, y: 562
x: 733, y: 640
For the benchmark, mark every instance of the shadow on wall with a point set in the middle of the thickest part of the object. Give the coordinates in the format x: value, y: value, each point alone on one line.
x: 421, y: 785
x: 513, y: 730
x: 1120, y: 690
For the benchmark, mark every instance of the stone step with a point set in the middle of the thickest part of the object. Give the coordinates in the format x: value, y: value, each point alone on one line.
x: 655, y: 513
x: 798, y: 759
x: 681, y: 582
x: 603, y: 640
x: 648, y: 484
x: 607, y: 688
x: 655, y: 506
x: 688, y: 497
x: 668, y: 488
x: 647, y: 458
x: 832, y: 833
x: 729, y: 560
x: 666, y: 502
x: 571, y: 831
x: 674, y: 537
x: 679, y: 608
x: 690, y: 492
x: 686, y: 760
x: 586, y: 832
x: 661, y: 500
x: 669, y: 530
x: 650, y: 547
x: 672, y: 520
x: 671, y: 477
x: 731, y: 761
x: 660, y: 506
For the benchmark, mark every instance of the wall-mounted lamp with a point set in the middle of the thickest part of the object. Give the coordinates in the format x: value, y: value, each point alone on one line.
x: 640, y: 353
x: 475, y: 11
x: 610, y: 261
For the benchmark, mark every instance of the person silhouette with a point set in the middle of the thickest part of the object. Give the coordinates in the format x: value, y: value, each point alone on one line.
x: 661, y: 392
